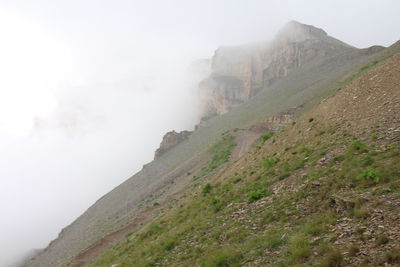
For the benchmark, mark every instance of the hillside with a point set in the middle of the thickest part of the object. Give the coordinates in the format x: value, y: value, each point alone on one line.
x: 179, y: 174
x: 324, y: 191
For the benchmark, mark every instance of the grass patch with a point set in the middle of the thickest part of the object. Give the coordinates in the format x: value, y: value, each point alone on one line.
x: 256, y: 195
x: 222, y: 258
x: 357, y: 74
x: 221, y: 152
x: 299, y: 249
x: 266, y: 136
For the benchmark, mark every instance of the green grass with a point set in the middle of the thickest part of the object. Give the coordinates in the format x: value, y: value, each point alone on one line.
x: 266, y: 136
x: 221, y: 152
x: 256, y: 195
x: 222, y: 224
x: 359, y: 73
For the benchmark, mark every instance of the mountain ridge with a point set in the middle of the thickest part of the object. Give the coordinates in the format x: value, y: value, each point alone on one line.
x: 238, y: 72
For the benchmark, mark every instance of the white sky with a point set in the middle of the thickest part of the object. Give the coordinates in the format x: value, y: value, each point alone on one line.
x: 101, y: 80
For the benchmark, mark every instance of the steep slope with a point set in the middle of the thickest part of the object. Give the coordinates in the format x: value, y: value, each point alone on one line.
x: 324, y: 191
x: 171, y: 176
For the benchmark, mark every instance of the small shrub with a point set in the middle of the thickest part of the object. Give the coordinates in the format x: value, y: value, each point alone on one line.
x: 370, y: 175
x: 310, y: 119
x: 207, y: 189
x: 367, y: 161
x: 358, y: 146
x: 266, y: 136
x: 214, y: 201
x: 256, y: 195
x: 169, y: 244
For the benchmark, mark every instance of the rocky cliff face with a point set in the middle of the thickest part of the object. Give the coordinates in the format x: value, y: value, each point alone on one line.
x: 272, y: 123
x: 170, y: 140
x: 238, y: 73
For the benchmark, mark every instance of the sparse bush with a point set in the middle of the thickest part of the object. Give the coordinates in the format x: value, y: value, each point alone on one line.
x: 358, y: 147
x: 169, y: 244
x: 207, y: 189
x: 310, y: 119
x: 367, y: 161
x: 370, y: 175
x: 256, y: 195
x: 266, y: 136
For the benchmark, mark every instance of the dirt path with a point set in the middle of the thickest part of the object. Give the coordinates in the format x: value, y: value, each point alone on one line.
x: 244, y: 140
x: 106, y: 242
x: 95, y: 250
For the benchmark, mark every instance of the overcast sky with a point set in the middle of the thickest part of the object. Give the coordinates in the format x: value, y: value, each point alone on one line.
x: 88, y: 88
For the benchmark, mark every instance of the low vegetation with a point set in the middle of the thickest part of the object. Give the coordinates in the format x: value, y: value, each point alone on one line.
x: 312, y: 194
x: 238, y: 219
x: 221, y: 152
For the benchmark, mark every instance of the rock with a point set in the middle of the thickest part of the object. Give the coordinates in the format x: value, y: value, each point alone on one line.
x: 170, y: 140
x: 239, y: 72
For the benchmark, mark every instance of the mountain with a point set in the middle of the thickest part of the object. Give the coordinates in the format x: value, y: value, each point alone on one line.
x: 181, y: 206
x: 238, y: 73
x: 322, y: 191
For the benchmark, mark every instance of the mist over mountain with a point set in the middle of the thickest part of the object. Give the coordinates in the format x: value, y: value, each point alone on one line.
x: 249, y: 90
x: 115, y: 114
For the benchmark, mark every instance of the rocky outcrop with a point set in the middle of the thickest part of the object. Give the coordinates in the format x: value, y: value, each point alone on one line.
x: 272, y: 123
x: 170, y: 140
x: 238, y: 73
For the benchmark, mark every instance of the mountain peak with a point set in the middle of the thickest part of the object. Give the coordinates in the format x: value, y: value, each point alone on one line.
x: 295, y: 31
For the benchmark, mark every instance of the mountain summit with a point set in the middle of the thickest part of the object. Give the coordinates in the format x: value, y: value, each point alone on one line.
x: 295, y: 31
x: 239, y: 72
